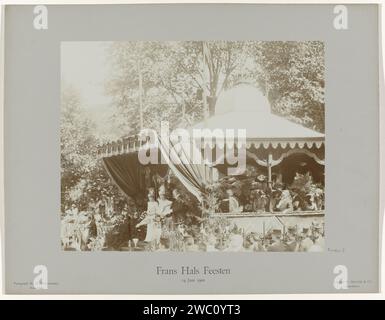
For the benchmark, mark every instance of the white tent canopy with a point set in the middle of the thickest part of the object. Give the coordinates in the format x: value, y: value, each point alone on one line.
x: 259, y: 125
x: 245, y: 107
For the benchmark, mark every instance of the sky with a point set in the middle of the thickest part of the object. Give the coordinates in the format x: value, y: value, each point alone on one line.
x: 84, y: 67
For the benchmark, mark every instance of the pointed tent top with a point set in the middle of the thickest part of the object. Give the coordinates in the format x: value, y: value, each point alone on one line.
x: 242, y: 98
x: 245, y: 107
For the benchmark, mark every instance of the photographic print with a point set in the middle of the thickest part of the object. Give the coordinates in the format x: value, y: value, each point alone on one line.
x: 197, y: 148
x: 187, y: 146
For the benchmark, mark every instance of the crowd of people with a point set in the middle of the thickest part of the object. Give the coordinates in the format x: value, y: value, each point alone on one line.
x: 310, y: 239
x: 167, y: 223
x: 114, y: 223
x: 260, y: 196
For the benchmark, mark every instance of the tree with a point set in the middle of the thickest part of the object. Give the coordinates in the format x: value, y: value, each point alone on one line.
x: 175, y: 76
x: 77, y: 142
x: 178, y: 76
x: 129, y: 61
x: 292, y: 75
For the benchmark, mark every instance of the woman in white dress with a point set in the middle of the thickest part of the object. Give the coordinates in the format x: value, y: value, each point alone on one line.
x: 152, y: 220
x: 164, y: 212
x: 83, y: 222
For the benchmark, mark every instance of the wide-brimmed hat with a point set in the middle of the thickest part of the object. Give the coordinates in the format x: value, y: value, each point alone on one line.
x: 230, y: 189
x: 316, y: 225
x: 261, y: 178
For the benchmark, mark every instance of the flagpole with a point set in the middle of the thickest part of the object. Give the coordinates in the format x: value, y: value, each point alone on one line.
x: 140, y: 95
x: 204, y: 95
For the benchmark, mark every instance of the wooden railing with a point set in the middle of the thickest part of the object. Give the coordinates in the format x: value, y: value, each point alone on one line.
x: 122, y: 146
x: 270, y: 214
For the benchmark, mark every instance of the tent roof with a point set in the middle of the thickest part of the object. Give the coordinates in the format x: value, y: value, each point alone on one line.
x: 260, y: 125
x: 245, y: 107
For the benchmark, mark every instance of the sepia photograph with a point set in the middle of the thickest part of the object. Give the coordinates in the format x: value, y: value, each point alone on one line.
x: 179, y: 150
x: 192, y: 146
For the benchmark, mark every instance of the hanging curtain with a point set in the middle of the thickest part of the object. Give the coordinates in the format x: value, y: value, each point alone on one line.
x: 186, y: 165
x: 125, y: 171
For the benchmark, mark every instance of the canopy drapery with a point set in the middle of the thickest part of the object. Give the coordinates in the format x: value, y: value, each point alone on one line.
x: 131, y: 177
x: 126, y: 170
x: 187, y: 166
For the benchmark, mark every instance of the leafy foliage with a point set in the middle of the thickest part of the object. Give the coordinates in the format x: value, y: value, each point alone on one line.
x: 178, y: 75
x: 292, y: 75
x: 82, y: 175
